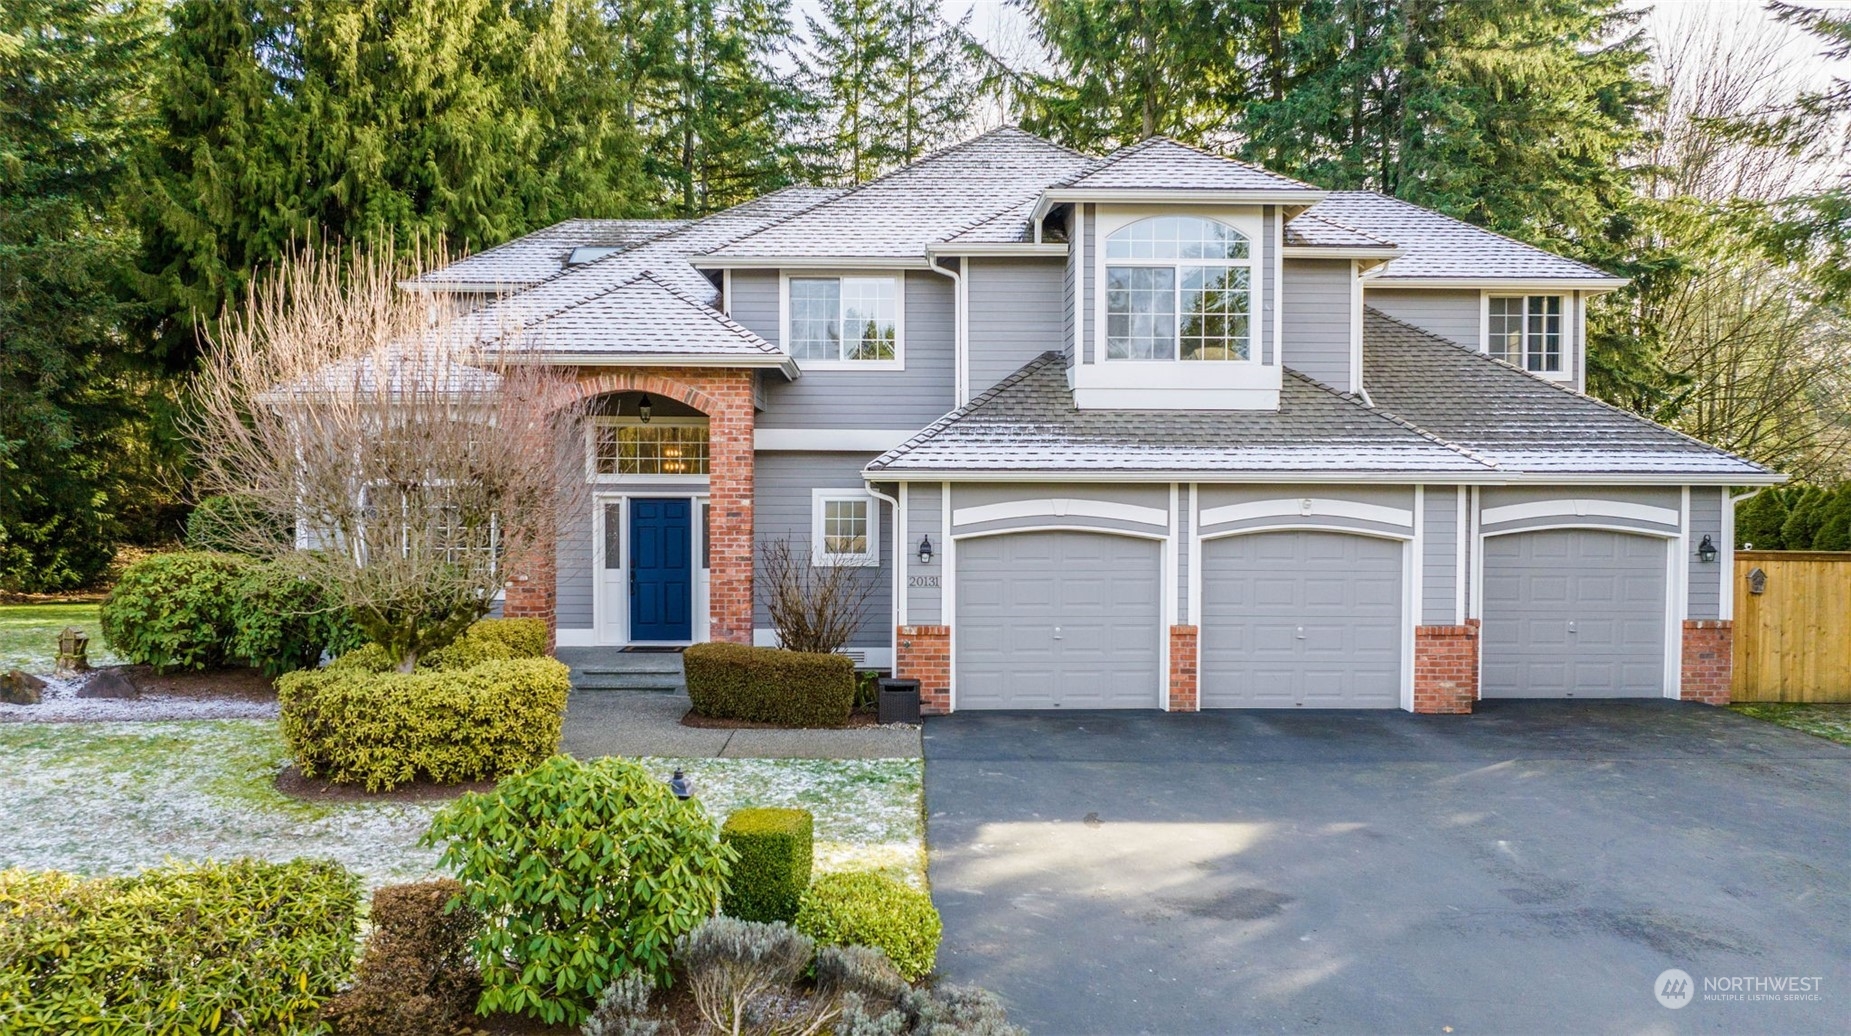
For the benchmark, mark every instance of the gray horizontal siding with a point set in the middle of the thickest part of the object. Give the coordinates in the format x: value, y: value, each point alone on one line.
x: 925, y: 517
x: 781, y: 508
x: 1317, y: 320
x: 1439, y: 566
x: 573, y: 580
x: 1705, y: 599
x: 910, y: 398
x: 1451, y: 313
x: 1015, y: 313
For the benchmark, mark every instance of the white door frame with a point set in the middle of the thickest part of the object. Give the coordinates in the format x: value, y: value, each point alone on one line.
x: 610, y: 618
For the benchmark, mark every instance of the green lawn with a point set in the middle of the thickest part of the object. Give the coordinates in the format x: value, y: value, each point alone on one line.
x: 1831, y: 721
x: 113, y: 798
x: 29, y: 634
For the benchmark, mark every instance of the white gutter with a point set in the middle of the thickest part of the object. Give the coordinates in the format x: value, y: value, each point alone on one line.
x: 1533, y: 284
x: 898, y: 608
x: 1542, y: 478
x: 961, y: 331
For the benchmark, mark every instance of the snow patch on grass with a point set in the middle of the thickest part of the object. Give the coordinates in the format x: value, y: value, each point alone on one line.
x: 114, y: 798
x: 59, y: 703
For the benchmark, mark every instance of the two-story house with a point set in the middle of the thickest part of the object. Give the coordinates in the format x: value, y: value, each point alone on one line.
x: 1153, y: 430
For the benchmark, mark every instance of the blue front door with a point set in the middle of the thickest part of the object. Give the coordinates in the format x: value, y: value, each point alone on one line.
x: 661, y: 570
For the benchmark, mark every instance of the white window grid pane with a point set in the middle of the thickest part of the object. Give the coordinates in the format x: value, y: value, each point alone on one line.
x: 1215, y: 318
x: 1140, y: 312
x: 1505, y: 338
x: 870, y: 318
x: 1177, y: 237
x: 815, y: 332
x: 627, y: 449
x: 1543, y: 345
x: 845, y: 527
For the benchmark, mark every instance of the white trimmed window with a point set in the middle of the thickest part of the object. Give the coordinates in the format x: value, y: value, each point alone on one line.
x: 844, y: 528
x: 848, y: 321
x: 1178, y: 288
x: 665, y: 446
x: 1526, y: 330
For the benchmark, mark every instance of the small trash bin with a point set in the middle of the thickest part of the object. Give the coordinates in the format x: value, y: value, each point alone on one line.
x: 899, y: 701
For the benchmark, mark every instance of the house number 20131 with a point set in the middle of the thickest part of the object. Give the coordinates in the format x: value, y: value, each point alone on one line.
x: 921, y: 580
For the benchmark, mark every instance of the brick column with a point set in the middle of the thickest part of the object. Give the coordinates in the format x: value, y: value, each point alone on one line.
x: 923, y: 653
x: 1183, y: 647
x: 1709, y: 660
x: 1446, y: 668
x: 533, y: 588
x: 729, y: 490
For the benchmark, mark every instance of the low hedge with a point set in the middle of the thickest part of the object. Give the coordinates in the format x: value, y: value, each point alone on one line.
x: 240, y: 947
x: 775, y: 847
x: 354, y: 726
x: 770, y: 685
x: 865, y: 908
x: 174, y: 611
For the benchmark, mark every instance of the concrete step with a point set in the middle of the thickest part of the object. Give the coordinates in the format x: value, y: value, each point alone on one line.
x: 609, y: 681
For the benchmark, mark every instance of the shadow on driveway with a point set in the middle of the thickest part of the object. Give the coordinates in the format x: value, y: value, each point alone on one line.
x: 1530, y: 868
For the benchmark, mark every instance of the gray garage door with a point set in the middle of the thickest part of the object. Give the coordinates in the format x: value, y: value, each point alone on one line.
x: 1573, y: 613
x: 1301, y: 619
x: 1058, y: 620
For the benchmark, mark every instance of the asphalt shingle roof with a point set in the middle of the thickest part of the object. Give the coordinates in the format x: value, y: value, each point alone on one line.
x: 1435, y: 245
x: 1159, y: 163
x: 1308, y: 229
x: 935, y: 198
x: 539, y: 255
x: 644, y: 316
x: 1517, y: 421
x: 1028, y: 423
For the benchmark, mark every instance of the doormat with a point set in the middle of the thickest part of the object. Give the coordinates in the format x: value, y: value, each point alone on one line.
x: 654, y: 650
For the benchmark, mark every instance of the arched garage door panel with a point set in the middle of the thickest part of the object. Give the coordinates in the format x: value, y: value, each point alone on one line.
x: 1058, y: 620
x: 1573, y: 613
x: 1301, y: 619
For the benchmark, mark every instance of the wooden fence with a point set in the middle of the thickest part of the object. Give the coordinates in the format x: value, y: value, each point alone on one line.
x: 1793, y: 639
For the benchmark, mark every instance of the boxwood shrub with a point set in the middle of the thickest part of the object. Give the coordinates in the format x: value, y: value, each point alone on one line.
x: 283, y: 622
x: 355, y: 726
x: 586, y: 871
x: 240, y: 947
x: 486, y: 640
x: 870, y: 909
x: 775, y: 847
x: 174, y: 611
x: 770, y: 685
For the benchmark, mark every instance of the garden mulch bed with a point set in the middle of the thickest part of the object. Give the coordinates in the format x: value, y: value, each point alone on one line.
x: 858, y: 718
x: 237, y: 684
x: 309, y: 789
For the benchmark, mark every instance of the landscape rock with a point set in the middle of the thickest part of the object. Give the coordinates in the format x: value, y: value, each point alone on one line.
x: 21, y: 688
x: 109, y: 683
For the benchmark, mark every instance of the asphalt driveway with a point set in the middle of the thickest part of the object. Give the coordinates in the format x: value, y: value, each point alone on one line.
x: 1531, y: 868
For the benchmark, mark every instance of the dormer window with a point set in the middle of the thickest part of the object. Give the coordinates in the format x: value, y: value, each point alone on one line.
x: 1526, y: 330
x: 1178, y: 288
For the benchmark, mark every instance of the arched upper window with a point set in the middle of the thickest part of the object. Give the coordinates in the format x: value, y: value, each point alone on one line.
x: 1178, y: 287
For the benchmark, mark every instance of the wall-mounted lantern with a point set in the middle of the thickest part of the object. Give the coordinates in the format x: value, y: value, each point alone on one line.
x: 1706, y: 550
x: 925, y: 550
x: 1757, y: 581
x: 642, y: 408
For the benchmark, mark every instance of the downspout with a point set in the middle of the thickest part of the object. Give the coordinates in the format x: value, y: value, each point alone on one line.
x: 1727, y: 599
x: 960, y: 335
x: 899, y: 568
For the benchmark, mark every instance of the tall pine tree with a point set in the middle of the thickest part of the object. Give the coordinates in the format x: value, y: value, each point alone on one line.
x: 892, y: 80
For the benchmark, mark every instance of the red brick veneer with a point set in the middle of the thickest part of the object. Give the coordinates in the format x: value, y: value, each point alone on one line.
x: 725, y: 396
x: 1446, y: 668
x: 1183, y: 648
x: 1708, y: 662
x: 923, y: 653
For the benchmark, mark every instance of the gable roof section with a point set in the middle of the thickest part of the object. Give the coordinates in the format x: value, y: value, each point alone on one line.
x: 1309, y: 231
x: 1162, y: 164
x: 1028, y: 425
x: 537, y: 256
x: 897, y: 215
x: 644, y: 318
x: 1519, y: 422
x: 1439, y: 247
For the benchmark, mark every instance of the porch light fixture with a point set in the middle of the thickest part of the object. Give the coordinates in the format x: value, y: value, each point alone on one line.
x: 1706, y: 550
x: 680, y: 785
x: 642, y: 408
x: 925, y: 550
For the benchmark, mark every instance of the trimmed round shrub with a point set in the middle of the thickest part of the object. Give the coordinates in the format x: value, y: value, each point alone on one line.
x: 486, y: 640
x: 769, y: 685
x: 775, y: 848
x: 588, y: 870
x: 871, y: 909
x: 417, y: 976
x: 354, y: 726
x: 185, y: 948
x: 235, y: 524
x: 174, y: 611
x: 282, y: 622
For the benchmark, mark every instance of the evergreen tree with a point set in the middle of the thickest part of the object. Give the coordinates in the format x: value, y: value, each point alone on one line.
x: 724, y: 118
x: 1815, y: 227
x: 934, y: 82
x: 892, y: 80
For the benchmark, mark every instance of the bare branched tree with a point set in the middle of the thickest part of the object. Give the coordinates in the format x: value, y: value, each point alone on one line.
x: 813, y: 607
x: 413, y: 459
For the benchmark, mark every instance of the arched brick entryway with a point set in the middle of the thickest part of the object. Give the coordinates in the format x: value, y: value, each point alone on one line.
x: 725, y: 396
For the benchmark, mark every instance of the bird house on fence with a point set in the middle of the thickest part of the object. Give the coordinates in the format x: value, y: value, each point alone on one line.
x: 73, y: 649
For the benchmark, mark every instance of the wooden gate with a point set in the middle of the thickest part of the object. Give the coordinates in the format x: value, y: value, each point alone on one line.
x: 1793, y: 639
